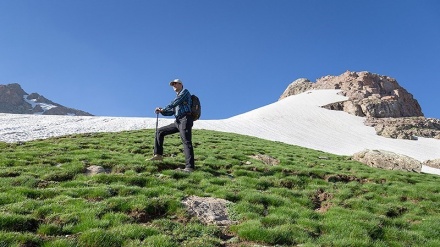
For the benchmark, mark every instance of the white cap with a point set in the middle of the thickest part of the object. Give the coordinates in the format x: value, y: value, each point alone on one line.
x: 175, y: 81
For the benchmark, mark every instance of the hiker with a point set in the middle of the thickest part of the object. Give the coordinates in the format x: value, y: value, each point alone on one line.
x: 180, y: 107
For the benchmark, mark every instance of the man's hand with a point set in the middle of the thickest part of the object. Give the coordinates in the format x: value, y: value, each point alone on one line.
x: 158, y: 110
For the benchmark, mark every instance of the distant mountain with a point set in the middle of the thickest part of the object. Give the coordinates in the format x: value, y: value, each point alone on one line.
x: 13, y: 99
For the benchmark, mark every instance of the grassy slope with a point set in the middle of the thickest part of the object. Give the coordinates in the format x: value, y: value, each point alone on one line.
x: 47, y: 200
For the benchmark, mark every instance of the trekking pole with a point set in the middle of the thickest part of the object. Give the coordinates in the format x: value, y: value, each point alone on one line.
x: 157, y: 120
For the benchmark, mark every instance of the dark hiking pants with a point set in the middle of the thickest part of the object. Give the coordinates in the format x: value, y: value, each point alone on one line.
x: 184, y: 127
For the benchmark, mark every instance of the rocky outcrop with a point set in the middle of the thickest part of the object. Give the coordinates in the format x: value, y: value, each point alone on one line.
x: 211, y: 211
x: 406, y: 128
x: 370, y: 95
x: 388, y: 160
x: 296, y: 87
x: 94, y: 170
x: 266, y: 159
x: 388, y: 107
x: 13, y: 99
x: 432, y: 163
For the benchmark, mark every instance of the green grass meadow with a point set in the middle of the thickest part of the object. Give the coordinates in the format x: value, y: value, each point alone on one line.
x: 311, y: 198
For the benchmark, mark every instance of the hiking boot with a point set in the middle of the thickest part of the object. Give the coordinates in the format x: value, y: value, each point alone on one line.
x: 187, y: 170
x: 157, y: 157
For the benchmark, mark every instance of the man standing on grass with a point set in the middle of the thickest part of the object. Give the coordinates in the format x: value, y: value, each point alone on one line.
x: 180, y: 107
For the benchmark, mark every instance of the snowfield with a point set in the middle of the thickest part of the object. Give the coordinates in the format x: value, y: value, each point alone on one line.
x: 297, y: 120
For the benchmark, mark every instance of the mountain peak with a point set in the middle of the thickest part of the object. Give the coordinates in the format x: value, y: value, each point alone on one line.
x: 370, y: 95
x: 387, y: 106
x: 13, y: 99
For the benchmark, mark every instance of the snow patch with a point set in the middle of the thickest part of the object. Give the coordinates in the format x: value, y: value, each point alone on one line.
x: 34, y: 103
x: 430, y: 170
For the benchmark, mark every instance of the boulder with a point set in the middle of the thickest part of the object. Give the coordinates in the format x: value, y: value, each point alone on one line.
x: 208, y: 210
x: 388, y: 160
x: 93, y: 170
x: 266, y: 159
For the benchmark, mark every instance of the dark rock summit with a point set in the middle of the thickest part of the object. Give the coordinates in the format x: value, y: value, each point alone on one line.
x: 13, y: 99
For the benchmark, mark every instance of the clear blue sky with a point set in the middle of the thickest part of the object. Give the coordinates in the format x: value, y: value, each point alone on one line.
x: 115, y: 58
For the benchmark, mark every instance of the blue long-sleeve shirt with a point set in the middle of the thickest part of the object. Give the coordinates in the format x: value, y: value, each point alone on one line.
x: 180, y: 106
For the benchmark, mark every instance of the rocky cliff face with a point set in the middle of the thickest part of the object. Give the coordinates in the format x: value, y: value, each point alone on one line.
x: 388, y: 107
x: 406, y: 128
x: 13, y: 99
x: 370, y: 95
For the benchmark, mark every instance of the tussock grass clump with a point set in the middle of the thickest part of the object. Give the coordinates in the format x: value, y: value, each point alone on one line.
x: 48, y: 199
x: 15, y: 222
